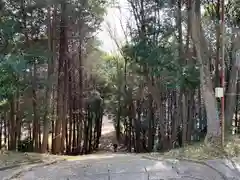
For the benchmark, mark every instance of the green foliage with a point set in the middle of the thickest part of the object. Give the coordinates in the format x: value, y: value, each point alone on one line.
x: 16, y: 59
x: 154, y: 48
x: 11, y: 67
x: 25, y: 145
x: 161, y: 61
x: 233, y: 12
x: 110, y: 80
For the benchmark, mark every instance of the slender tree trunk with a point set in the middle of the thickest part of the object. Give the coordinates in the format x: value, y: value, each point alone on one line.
x: 61, y: 77
x: 53, y: 126
x: 70, y: 105
x: 86, y: 131
x: 236, y: 117
x: 34, y: 103
x: 150, y: 123
x: 99, y: 126
x: 12, y: 125
x: 74, y: 116
x: 1, y: 129
x: 191, y: 119
x: 185, y: 105
x: 237, y: 123
x: 80, y: 97
x: 18, y: 118
x: 64, y: 121
x: 137, y: 126
x: 90, y: 126
x: 5, y: 128
x: 213, y: 126
x: 118, y: 118
x: 49, y: 89
x: 217, y: 61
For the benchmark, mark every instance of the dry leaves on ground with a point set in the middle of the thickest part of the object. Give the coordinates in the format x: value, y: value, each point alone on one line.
x: 8, y: 158
x: 199, y: 151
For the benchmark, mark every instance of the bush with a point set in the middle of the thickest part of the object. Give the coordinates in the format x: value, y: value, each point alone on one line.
x: 25, y: 145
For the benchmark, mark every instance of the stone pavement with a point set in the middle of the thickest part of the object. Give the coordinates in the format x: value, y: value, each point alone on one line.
x: 6, y: 173
x: 128, y: 167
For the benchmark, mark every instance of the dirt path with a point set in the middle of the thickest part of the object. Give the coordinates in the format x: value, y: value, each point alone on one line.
x: 108, y: 134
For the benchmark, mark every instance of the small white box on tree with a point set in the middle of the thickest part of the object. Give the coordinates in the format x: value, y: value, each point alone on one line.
x: 238, y: 58
x: 218, y: 92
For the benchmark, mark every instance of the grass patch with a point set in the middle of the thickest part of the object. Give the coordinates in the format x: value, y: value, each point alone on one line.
x: 199, y: 151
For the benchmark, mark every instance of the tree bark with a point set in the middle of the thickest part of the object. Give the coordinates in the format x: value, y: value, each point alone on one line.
x: 49, y: 88
x: 232, y: 85
x: 61, y: 75
x: 12, y: 126
x: 213, y: 129
x: 34, y: 103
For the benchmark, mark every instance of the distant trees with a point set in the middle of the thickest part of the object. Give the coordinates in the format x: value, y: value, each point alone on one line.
x: 160, y: 89
x: 43, y: 84
x: 172, y: 61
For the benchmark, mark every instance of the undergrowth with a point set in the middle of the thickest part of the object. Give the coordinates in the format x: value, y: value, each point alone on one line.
x: 199, y: 151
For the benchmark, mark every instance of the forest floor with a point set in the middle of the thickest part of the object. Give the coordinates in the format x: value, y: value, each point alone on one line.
x: 10, y: 160
x: 199, y: 151
x: 195, y: 151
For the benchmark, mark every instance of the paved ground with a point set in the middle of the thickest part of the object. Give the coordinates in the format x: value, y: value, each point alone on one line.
x: 112, y: 166
x: 4, y: 174
x: 128, y: 167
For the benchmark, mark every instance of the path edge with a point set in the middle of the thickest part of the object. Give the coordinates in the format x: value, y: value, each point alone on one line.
x: 27, y: 168
x: 201, y: 162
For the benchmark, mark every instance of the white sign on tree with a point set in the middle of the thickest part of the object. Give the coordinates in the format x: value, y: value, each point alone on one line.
x: 219, y: 92
x: 238, y: 58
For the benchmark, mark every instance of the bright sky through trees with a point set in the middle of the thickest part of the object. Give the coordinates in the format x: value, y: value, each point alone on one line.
x: 114, y: 18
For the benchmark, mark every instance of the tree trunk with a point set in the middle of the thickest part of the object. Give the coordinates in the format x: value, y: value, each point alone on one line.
x: 75, y: 116
x: 70, y: 105
x: 232, y: 85
x: 185, y: 105
x: 237, y: 108
x: 236, y: 111
x: 1, y: 129
x: 64, y: 120
x: 18, y: 118
x: 34, y: 103
x: 61, y: 75
x: 213, y: 125
x: 218, y: 33
x: 150, y: 123
x: 86, y: 131
x: 90, y: 127
x: 12, y: 126
x: 191, y: 118
x: 5, y: 128
x: 80, y: 97
x: 118, y: 118
x: 137, y: 126
x: 49, y: 88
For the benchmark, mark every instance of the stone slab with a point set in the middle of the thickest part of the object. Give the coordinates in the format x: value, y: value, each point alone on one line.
x: 163, y: 175
x: 226, y: 167
x: 129, y: 176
